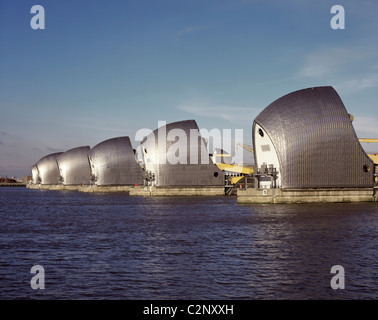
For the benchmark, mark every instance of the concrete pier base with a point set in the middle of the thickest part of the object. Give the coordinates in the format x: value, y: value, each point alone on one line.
x: 92, y: 188
x: 51, y: 187
x: 105, y: 189
x: 250, y: 196
x: 139, y: 191
x: 178, y: 191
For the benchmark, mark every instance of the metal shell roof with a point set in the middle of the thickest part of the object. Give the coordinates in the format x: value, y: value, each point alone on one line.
x: 180, y: 141
x: 315, y: 141
x: 74, y: 166
x: 113, y: 163
x: 48, y: 169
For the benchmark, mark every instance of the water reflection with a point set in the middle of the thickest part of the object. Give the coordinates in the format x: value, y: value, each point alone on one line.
x: 113, y: 246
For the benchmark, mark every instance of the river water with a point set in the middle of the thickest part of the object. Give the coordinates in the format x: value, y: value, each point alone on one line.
x: 113, y: 246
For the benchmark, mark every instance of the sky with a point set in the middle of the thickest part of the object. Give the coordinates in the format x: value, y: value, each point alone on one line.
x: 103, y: 69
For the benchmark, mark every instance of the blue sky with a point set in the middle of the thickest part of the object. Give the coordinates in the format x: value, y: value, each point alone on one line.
x: 102, y: 69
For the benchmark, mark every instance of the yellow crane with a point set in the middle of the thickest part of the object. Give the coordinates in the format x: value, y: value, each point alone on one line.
x: 235, y: 172
x: 234, y: 168
x: 374, y: 156
x: 238, y: 170
x: 246, y: 147
x: 368, y: 140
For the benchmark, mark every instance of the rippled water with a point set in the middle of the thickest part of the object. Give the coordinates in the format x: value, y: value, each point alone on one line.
x: 112, y: 246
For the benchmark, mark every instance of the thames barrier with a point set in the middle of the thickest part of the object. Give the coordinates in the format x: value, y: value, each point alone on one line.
x: 305, y: 150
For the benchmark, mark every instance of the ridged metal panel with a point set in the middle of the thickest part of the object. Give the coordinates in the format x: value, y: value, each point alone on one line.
x: 113, y: 163
x: 74, y: 166
x: 315, y: 141
x: 193, y: 167
x: 48, y: 169
x: 35, y: 175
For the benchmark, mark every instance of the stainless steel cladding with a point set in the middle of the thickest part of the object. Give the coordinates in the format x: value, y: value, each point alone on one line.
x: 311, y: 137
x: 113, y: 163
x: 74, y: 166
x: 48, y: 169
x: 35, y: 175
x: 175, y: 155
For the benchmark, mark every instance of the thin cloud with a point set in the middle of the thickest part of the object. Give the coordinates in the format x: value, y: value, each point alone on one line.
x: 17, y: 154
x: 99, y: 128
x: 190, y: 30
x: 335, y: 66
x: 367, y: 82
x: 329, y: 62
x: 366, y: 127
x: 224, y: 112
x: 53, y: 149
